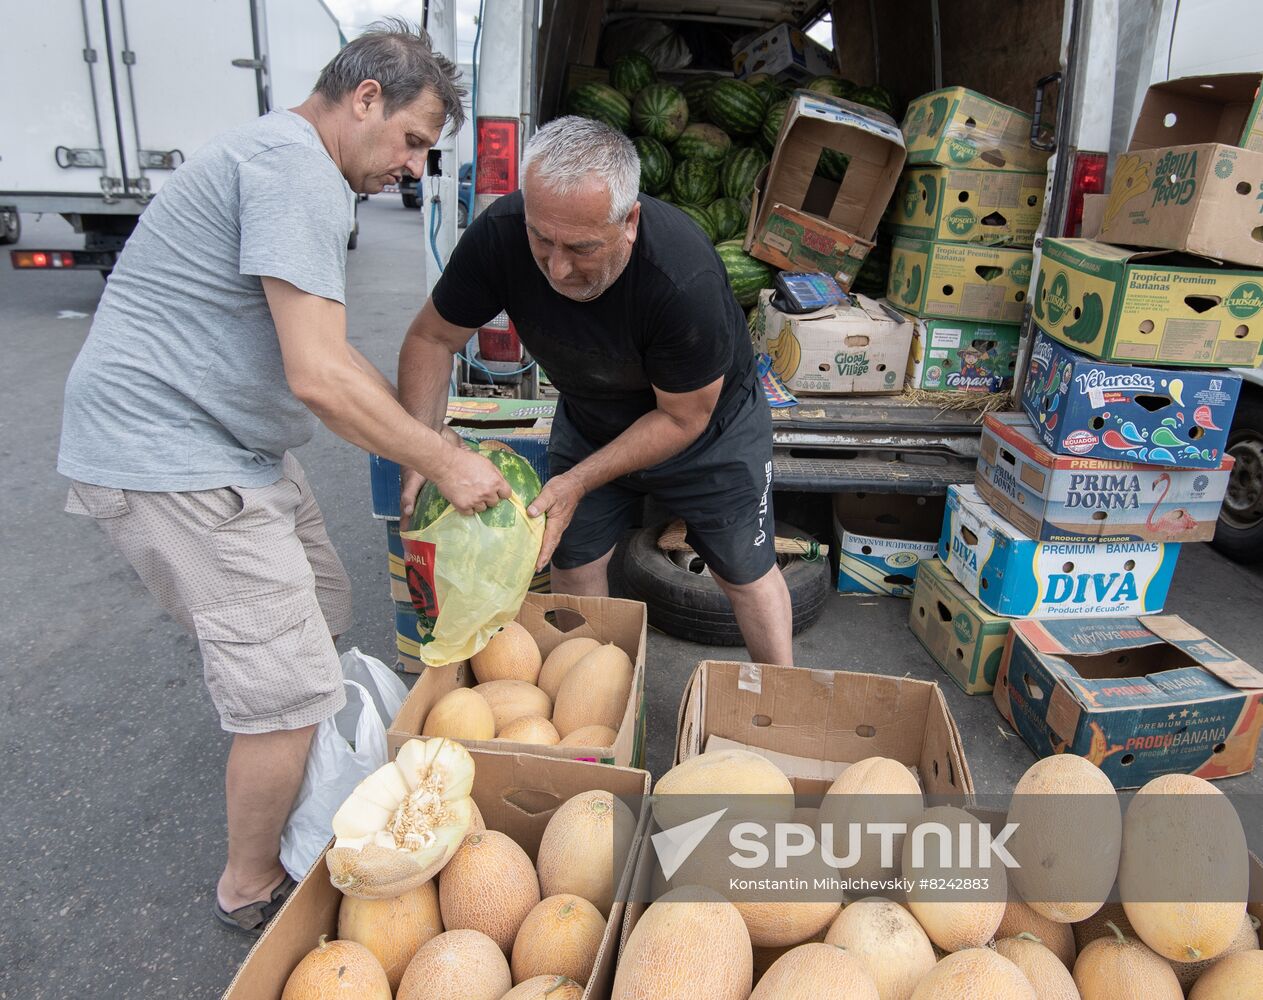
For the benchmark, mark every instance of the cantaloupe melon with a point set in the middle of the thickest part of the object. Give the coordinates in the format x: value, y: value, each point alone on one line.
x: 476, y: 823
x: 533, y: 729
x: 509, y: 655
x: 711, y: 780
x: 594, y: 691
x: 816, y: 972
x: 462, y: 714
x: 456, y: 965
x: 1234, y: 977
x: 1056, y: 937
x: 586, y: 840
x: 871, y: 791
x: 765, y: 958
x: 1097, y: 925
x: 1044, y: 970
x: 511, y: 700
x: 337, y: 968
x: 546, y: 988
x: 489, y: 886
x: 590, y: 736
x: 1247, y: 939
x: 1184, y: 903
x: 392, y: 929
x: 689, y: 944
x: 1062, y: 874
x: 778, y: 924
x: 560, y: 660
x: 561, y: 934
x: 1123, y: 968
x: 886, y: 939
x: 975, y: 974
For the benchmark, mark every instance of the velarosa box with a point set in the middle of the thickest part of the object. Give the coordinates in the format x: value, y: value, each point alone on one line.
x: 860, y: 346
x: 957, y: 355
x: 959, y: 280
x: 1138, y: 697
x: 1122, y: 413
x: 882, y: 539
x: 1153, y: 307
x: 957, y: 127
x: 964, y: 638
x: 517, y: 794
x: 797, y: 241
x: 1061, y: 498
x: 992, y: 207
x: 782, y: 51
x: 1020, y: 577
x: 551, y: 619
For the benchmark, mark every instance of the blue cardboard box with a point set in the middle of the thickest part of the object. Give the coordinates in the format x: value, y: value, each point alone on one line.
x: 882, y: 538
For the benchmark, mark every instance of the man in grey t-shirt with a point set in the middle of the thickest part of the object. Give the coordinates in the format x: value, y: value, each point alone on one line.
x: 219, y: 341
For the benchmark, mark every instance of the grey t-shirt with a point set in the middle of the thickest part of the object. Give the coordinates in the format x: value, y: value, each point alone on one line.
x: 180, y: 384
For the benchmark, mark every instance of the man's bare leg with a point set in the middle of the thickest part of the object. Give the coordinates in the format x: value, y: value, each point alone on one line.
x: 764, y: 615
x: 588, y: 580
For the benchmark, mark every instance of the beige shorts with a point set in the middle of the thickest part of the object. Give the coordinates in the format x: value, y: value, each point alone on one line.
x: 252, y: 574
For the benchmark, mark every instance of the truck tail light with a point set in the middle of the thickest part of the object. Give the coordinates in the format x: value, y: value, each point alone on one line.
x: 1086, y: 177
x: 497, y: 156
x: 498, y: 341
x: 42, y: 258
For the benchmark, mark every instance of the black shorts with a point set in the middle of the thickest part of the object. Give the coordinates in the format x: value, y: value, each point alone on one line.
x: 720, y: 485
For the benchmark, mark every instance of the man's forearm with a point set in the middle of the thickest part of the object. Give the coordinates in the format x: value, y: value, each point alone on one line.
x: 425, y: 368
x: 653, y: 438
x: 371, y: 370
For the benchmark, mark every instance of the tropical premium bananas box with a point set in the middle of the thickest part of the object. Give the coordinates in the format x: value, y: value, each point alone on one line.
x: 1138, y: 697
x: 1014, y: 575
x: 962, y: 128
x: 954, y: 355
x: 1172, y: 417
x: 882, y: 539
x: 959, y: 280
x: 992, y: 207
x: 964, y: 638
x: 1149, y: 306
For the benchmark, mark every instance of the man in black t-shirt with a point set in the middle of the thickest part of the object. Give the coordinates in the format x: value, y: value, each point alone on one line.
x: 625, y: 304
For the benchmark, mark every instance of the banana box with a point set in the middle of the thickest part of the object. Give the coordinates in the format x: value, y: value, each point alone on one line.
x: 395, y: 563
x: 1149, y: 306
x: 1014, y: 575
x: 992, y: 207
x: 964, y: 638
x: 882, y: 539
x: 1121, y: 413
x: 1137, y: 696
x: 957, y: 127
x: 959, y: 280
x: 952, y: 355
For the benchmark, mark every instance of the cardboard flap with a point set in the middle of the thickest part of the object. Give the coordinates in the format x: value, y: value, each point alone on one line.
x: 1232, y: 670
x: 1221, y: 108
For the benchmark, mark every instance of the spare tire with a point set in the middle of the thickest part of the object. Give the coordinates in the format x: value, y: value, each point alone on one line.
x: 685, y: 601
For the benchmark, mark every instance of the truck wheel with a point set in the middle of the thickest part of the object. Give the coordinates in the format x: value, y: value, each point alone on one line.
x: 683, y: 600
x: 410, y: 200
x: 1239, y: 535
x: 10, y: 225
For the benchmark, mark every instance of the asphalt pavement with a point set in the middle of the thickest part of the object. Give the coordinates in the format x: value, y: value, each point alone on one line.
x: 112, y: 768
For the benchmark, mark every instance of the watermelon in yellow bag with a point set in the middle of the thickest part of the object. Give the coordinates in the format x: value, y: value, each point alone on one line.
x: 469, y: 573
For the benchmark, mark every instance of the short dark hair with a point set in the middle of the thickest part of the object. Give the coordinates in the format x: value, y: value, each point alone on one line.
x: 399, y: 56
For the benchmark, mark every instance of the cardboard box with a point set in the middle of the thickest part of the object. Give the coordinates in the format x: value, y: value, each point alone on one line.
x: 992, y: 207
x: 956, y: 127
x: 1139, y: 697
x: 858, y: 347
x: 1225, y: 108
x: 1148, y: 306
x: 782, y: 51
x: 517, y: 794
x: 882, y: 538
x: 964, y: 638
x: 1117, y: 412
x: 551, y: 619
x: 960, y: 280
x: 796, y: 241
x: 1093, y: 215
x: 1203, y: 199
x: 953, y: 355
x: 1020, y: 577
x: 1061, y: 498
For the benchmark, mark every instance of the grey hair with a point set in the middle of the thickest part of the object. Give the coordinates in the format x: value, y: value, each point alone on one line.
x: 568, y: 151
x: 399, y: 56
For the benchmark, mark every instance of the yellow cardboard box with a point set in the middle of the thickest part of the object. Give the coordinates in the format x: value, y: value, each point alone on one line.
x: 992, y: 207
x: 960, y: 280
x: 962, y: 128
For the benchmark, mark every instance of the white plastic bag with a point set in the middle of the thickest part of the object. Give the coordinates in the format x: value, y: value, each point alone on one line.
x: 344, y: 751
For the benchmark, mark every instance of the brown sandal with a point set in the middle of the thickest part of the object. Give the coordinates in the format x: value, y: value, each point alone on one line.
x: 254, y: 917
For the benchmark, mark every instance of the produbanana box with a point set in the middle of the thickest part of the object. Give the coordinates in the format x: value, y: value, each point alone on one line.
x: 959, y: 280
x: 1137, y: 696
x: 1092, y: 409
x: 953, y: 355
x: 959, y: 127
x: 882, y: 539
x: 1061, y: 498
x: 992, y: 207
x: 1014, y: 575
x: 964, y: 638
x: 1149, y: 306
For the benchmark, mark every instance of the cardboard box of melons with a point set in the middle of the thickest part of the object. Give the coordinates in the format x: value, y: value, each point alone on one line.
x: 556, y: 898
x: 566, y: 679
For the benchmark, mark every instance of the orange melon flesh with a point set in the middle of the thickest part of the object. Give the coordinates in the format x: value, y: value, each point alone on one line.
x: 1233, y: 977
x: 456, y: 965
x: 489, y: 886
x: 1043, y: 969
x: 337, y: 968
x: 594, y: 691
x: 886, y: 939
x: 559, y: 662
x: 584, y: 843
x: 816, y: 972
x: 975, y: 974
x: 392, y: 929
x: 562, y: 934
x: 1122, y: 968
x: 462, y: 714
x: 510, y: 654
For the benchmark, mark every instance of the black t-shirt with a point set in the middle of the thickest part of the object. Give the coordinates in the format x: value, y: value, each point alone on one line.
x: 669, y: 320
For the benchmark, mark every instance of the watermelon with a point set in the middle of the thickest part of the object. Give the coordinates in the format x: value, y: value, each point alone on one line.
x: 702, y: 218
x: 875, y: 97
x: 517, y: 472
x: 697, y: 94
x: 655, y: 164
x: 741, y: 170
x: 728, y: 217
x: 736, y: 107
x: 747, y: 276
x: 833, y: 86
x: 632, y: 73
x: 702, y: 142
x: 602, y: 102
x: 660, y: 112
x: 832, y: 164
x: 771, y: 126
x: 695, y: 182
x: 767, y: 85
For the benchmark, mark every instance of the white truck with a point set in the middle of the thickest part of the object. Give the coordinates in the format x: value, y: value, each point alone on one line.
x: 110, y: 96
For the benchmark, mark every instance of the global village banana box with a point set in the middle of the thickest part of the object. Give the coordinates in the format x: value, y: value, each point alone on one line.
x: 992, y: 207
x: 1060, y: 498
x: 882, y: 539
x: 1014, y: 575
x: 964, y: 638
x: 960, y: 280
x: 954, y: 355
x: 1138, y: 697
x: 1123, y: 413
x: 1149, y: 306
x: 959, y: 127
